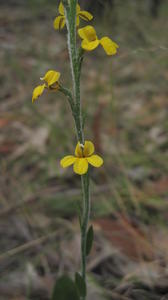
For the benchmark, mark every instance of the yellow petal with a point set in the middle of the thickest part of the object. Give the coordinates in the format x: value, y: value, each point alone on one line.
x: 109, y: 46
x: 89, y: 46
x: 78, y: 150
x: 87, y: 33
x: 59, y: 22
x: 67, y: 161
x: 95, y: 161
x: 37, y: 92
x: 77, y: 21
x: 61, y: 9
x: 85, y: 15
x: 51, y: 77
x: 88, y: 148
x: 77, y: 9
x: 80, y: 166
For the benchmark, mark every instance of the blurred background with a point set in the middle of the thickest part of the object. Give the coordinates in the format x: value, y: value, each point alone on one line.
x: 125, y: 103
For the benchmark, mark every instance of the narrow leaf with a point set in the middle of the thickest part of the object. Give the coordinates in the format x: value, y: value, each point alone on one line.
x: 81, y: 285
x: 65, y: 289
x: 89, y: 240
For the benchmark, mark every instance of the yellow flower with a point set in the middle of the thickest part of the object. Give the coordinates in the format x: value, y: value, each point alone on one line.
x: 91, y: 41
x: 51, y: 83
x: 83, y: 156
x: 59, y: 21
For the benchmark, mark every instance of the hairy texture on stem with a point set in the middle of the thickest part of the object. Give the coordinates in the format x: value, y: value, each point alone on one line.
x: 76, y: 58
x: 70, y: 15
x: 68, y: 94
x: 85, y: 218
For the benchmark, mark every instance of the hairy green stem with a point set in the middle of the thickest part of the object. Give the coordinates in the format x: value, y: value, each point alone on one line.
x: 86, y: 212
x: 68, y: 94
x: 76, y: 58
x: 70, y: 13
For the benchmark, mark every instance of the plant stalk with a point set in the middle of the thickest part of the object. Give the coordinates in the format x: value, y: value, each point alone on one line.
x: 86, y: 212
x: 76, y: 58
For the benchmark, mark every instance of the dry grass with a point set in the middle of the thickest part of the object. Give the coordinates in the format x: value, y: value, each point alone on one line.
x: 125, y: 100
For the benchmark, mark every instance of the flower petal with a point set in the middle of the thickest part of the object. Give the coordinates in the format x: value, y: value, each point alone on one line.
x: 88, y: 148
x: 61, y: 9
x: 59, y: 22
x: 77, y: 21
x: 37, y: 92
x: 89, y: 46
x: 67, y: 161
x: 87, y: 33
x: 78, y: 150
x: 95, y: 161
x: 51, y: 77
x: 80, y: 166
x: 109, y: 46
x: 78, y: 9
x: 85, y: 15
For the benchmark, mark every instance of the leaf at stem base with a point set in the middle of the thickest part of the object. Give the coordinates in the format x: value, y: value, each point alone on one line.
x: 65, y: 289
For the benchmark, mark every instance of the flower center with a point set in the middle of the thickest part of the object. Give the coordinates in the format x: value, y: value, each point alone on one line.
x: 90, y: 36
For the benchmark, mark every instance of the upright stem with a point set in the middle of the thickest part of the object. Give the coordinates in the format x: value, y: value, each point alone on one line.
x: 70, y: 13
x: 86, y: 212
x: 76, y: 58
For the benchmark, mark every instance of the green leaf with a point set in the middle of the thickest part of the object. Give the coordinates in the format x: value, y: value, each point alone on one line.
x: 65, y: 289
x: 89, y: 240
x: 81, y: 285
